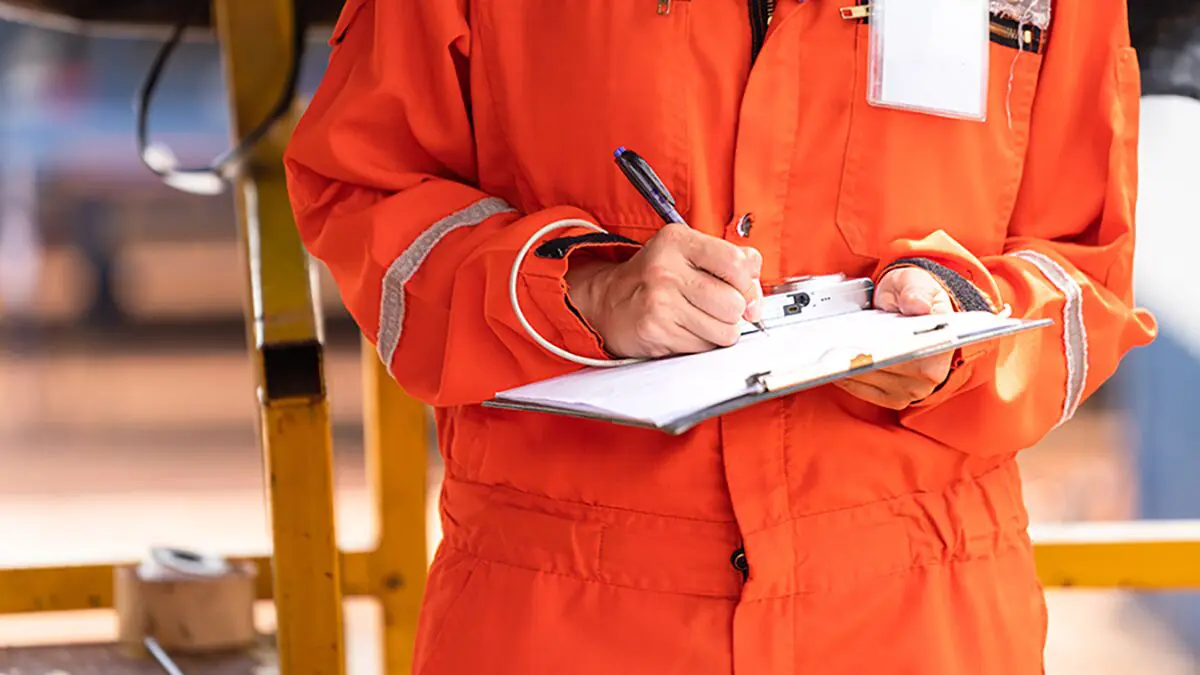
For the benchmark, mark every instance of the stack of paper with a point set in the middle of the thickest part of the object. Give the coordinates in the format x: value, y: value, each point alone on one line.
x: 675, y: 393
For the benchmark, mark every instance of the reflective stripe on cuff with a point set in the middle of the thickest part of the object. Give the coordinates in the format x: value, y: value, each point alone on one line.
x: 1075, y: 343
x: 402, y: 269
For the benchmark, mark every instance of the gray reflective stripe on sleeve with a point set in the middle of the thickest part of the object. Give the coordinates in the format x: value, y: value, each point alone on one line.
x: 402, y: 269
x: 1075, y: 343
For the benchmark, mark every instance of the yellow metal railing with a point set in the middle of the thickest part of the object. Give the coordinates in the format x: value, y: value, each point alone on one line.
x: 393, y: 573
x: 309, y: 576
x: 1138, y: 555
x: 1144, y: 555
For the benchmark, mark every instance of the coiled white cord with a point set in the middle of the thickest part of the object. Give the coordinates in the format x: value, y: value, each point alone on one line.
x: 516, y: 305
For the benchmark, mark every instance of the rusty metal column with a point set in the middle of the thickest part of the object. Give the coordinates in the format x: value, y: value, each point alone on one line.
x: 287, y: 344
x: 397, y: 443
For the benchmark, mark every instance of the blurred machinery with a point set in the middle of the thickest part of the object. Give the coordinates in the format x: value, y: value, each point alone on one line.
x: 141, y: 18
x: 261, y: 45
x: 1163, y: 380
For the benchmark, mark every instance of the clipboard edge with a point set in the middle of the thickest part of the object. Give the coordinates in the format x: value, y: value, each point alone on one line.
x: 522, y: 406
x: 684, y: 424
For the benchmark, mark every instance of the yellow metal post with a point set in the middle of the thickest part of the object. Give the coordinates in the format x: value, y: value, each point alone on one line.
x: 396, y: 439
x: 286, y: 341
x: 76, y: 587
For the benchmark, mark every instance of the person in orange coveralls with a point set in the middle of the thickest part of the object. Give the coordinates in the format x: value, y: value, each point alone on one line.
x: 876, y: 527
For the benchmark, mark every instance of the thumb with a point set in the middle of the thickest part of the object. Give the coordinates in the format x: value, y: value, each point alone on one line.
x: 923, y: 295
x: 909, y: 291
x: 916, y: 301
x: 887, y: 299
x: 887, y: 292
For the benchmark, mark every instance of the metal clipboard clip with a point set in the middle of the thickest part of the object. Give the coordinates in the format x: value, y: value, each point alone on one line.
x: 843, y: 361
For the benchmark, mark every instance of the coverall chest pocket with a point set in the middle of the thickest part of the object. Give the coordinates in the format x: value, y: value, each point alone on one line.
x: 567, y: 84
x: 909, y: 174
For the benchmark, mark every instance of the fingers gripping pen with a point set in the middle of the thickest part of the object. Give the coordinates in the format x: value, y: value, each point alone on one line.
x: 638, y: 171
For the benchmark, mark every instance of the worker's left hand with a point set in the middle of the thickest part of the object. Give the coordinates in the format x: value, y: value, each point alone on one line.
x: 912, y: 291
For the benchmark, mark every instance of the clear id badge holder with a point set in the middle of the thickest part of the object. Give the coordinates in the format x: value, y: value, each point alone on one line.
x: 930, y: 56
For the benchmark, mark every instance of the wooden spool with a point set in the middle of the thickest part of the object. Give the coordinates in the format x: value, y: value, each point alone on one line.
x: 185, y: 613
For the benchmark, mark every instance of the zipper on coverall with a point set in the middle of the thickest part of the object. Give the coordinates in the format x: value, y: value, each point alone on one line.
x: 761, y: 12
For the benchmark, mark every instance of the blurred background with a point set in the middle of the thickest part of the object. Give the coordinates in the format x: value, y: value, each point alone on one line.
x: 127, y: 409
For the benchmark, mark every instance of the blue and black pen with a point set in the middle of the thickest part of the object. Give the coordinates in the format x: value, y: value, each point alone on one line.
x: 638, y: 171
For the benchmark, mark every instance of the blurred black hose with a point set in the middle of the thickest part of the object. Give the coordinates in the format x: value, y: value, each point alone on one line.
x: 218, y: 167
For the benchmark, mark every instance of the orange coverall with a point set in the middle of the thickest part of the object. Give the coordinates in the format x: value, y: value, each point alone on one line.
x: 446, y: 132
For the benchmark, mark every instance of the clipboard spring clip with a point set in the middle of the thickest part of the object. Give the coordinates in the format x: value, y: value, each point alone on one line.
x: 758, y: 380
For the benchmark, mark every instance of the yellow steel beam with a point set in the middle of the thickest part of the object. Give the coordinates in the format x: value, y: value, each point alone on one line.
x: 1140, y: 555
x: 74, y: 587
x: 396, y: 442
x: 1134, y: 555
x: 1143, y: 555
x: 286, y: 341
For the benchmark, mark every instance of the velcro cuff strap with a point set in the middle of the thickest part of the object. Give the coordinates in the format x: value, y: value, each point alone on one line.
x: 557, y: 249
x: 966, y: 296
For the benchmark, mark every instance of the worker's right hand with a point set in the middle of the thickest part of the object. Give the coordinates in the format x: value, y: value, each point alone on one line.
x: 683, y: 292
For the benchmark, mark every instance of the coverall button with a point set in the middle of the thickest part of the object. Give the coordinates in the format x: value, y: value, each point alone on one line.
x: 743, y: 225
x: 738, y: 559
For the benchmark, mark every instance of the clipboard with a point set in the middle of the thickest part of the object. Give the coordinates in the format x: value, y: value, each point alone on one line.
x: 910, y: 338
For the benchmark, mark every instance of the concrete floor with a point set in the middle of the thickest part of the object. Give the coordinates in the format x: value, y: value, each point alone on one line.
x: 102, y: 457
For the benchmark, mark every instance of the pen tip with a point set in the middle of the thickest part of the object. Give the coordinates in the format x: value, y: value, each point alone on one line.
x: 619, y: 151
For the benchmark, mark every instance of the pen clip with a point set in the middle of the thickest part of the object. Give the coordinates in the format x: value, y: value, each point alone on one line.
x: 642, y: 175
x: 658, y: 184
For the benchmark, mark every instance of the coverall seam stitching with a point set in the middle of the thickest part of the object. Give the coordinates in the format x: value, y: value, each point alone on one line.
x: 791, y: 172
x: 436, y: 638
x: 1120, y: 103
x: 992, y: 554
x: 476, y: 22
x: 597, y: 507
x: 585, y: 579
x: 841, y: 214
x: 786, y: 419
x: 896, y: 498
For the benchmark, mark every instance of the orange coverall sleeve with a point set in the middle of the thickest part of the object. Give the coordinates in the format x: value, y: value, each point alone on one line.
x: 1068, y: 255
x: 380, y: 171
